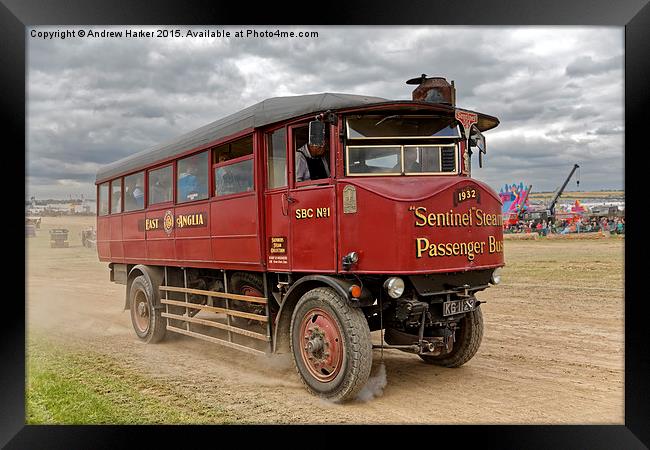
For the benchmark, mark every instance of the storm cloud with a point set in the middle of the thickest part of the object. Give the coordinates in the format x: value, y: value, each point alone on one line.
x: 558, y: 92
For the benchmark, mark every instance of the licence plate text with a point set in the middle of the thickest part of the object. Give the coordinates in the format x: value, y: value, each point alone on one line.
x: 458, y: 306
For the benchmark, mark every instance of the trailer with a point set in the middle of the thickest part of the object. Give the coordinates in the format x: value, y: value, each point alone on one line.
x: 301, y: 224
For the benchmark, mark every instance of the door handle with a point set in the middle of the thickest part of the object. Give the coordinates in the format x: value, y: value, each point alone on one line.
x: 285, y: 203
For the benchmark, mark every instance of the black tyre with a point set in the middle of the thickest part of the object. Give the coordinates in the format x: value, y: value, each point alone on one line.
x: 247, y: 284
x: 468, y: 340
x: 148, y: 323
x: 331, y: 346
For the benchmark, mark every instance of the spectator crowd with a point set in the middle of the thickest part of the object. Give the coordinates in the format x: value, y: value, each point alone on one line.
x: 611, y: 225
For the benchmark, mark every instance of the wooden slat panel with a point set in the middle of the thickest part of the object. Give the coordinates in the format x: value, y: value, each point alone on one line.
x: 214, y: 324
x: 215, y: 309
x: 216, y: 341
x: 246, y: 298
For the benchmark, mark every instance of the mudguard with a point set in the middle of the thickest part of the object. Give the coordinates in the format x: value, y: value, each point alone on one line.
x: 154, y: 274
x: 299, y: 288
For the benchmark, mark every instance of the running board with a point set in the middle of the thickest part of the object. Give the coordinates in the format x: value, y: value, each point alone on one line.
x: 205, y: 337
x: 211, y: 327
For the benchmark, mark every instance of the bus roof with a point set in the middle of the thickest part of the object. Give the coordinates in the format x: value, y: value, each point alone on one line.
x: 263, y: 113
x: 266, y: 112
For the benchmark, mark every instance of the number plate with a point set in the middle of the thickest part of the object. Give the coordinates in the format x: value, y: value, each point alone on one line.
x: 458, y: 306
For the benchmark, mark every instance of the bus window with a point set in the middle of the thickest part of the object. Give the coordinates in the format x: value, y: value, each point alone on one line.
x: 429, y: 159
x: 116, y: 196
x: 234, y: 178
x: 134, y: 192
x: 307, y: 165
x: 277, y: 159
x: 367, y: 160
x: 103, y: 199
x: 235, y: 149
x: 160, y: 185
x: 192, y: 182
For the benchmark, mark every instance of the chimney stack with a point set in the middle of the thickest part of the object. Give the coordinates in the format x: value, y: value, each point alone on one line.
x: 433, y: 90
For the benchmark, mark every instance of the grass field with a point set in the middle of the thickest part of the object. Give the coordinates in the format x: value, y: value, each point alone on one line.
x: 76, y: 386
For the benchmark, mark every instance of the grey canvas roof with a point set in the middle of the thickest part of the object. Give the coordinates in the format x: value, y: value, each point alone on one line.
x: 263, y: 113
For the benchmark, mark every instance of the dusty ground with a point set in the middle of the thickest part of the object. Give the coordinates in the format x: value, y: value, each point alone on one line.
x: 553, y: 349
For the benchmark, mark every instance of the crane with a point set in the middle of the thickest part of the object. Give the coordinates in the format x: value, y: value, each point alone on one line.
x: 551, y: 206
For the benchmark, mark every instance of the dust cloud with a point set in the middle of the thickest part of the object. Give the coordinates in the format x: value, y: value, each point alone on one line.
x: 375, y: 385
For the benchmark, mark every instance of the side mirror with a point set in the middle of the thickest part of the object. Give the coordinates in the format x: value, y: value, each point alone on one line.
x: 477, y: 140
x: 317, y: 133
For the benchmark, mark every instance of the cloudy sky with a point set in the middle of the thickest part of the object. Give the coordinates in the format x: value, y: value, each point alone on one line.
x: 558, y: 92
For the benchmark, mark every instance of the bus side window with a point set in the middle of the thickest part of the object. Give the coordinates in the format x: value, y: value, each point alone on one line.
x: 160, y: 185
x: 277, y: 159
x: 234, y: 178
x: 103, y: 199
x: 116, y: 196
x: 134, y: 192
x: 192, y: 182
x: 233, y: 168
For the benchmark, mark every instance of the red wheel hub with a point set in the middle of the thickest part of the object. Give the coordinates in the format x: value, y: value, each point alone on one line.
x: 249, y: 290
x: 321, y: 345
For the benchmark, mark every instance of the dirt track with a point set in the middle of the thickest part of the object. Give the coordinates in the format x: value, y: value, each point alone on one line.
x: 553, y: 349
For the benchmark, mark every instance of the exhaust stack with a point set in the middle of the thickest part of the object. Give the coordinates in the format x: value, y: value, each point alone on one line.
x: 433, y: 90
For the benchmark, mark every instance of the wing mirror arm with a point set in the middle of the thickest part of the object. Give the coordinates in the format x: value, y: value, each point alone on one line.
x: 476, y: 139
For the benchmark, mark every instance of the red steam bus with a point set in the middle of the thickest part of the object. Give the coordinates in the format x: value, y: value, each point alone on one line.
x: 219, y: 234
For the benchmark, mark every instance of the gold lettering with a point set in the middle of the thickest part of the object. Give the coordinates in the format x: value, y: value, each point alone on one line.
x: 421, y: 244
x: 420, y: 215
x: 440, y: 217
x: 469, y: 249
x: 494, y: 246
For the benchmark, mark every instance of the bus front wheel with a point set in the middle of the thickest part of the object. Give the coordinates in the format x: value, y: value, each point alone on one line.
x: 468, y: 340
x: 331, y: 346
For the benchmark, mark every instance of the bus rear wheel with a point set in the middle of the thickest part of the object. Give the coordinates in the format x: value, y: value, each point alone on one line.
x: 331, y: 346
x: 468, y: 340
x: 247, y: 284
x: 148, y: 323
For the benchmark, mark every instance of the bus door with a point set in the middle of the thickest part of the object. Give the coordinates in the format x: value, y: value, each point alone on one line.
x: 312, y: 204
x: 276, y: 202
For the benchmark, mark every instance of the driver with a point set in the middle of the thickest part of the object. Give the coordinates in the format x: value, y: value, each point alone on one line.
x: 312, y: 163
